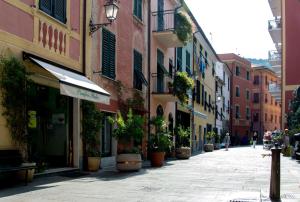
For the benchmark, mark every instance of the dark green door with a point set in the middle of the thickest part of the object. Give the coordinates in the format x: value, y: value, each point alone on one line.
x: 160, y: 15
x: 160, y: 72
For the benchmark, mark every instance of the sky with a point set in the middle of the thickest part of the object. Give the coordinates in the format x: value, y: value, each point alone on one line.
x: 235, y: 26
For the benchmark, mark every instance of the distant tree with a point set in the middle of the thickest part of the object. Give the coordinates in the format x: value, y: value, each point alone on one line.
x: 294, y: 114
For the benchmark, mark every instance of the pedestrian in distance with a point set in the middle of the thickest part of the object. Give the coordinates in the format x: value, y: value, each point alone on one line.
x: 227, y: 141
x: 254, y: 139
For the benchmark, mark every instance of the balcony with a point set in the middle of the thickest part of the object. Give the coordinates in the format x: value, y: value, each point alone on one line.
x: 274, y: 57
x: 275, y: 30
x: 161, y: 89
x: 164, y: 28
x: 277, y: 70
x: 275, y: 7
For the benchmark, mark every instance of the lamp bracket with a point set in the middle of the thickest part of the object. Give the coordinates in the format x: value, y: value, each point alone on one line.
x: 95, y: 27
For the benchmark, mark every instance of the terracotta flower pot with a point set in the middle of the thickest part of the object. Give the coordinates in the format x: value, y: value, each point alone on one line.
x: 94, y: 163
x: 129, y: 162
x: 157, y: 159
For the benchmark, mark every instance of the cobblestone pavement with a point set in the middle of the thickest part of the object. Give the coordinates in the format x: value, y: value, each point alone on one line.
x: 240, y: 174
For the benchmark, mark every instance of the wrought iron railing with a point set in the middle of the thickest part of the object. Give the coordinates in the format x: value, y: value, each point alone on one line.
x: 162, y: 83
x: 164, y: 20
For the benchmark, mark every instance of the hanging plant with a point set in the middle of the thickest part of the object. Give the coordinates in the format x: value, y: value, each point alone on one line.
x: 182, y: 84
x: 183, y: 28
x: 14, y: 84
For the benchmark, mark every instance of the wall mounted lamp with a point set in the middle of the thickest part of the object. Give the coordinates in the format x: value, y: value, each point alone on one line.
x: 111, y: 12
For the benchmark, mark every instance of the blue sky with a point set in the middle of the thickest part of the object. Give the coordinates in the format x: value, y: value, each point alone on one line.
x: 235, y: 26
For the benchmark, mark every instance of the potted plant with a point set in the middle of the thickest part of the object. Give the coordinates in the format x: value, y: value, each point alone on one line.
x: 183, y: 150
x: 129, y: 134
x: 159, y: 141
x: 217, y: 141
x: 14, y: 83
x: 209, y: 147
x: 91, y: 124
x: 182, y: 84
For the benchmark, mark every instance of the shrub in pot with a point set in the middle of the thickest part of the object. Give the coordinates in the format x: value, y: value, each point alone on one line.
x: 14, y: 84
x: 129, y: 133
x: 217, y: 141
x: 183, y: 150
x: 159, y: 141
x: 209, y: 146
x: 91, y: 124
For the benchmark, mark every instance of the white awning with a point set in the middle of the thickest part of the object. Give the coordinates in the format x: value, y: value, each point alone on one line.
x: 75, y: 85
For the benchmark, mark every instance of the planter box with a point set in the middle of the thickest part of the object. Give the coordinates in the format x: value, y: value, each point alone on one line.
x: 94, y: 163
x: 129, y: 162
x: 21, y: 175
x: 208, y: 147
x: 183, y: 153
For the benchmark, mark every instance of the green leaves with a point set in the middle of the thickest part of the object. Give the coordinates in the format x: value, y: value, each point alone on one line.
x: 13, y: 84
x: 183, y: 136
x: 160, y: 141
x: 182, y: 84
x: 183, y: 28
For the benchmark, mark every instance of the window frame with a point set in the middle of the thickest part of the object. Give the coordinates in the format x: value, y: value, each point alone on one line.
x: 138, y: 85
x: 138, y: 9
x: 52, y: 11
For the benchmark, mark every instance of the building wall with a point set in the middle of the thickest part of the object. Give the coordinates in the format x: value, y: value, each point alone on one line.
x: 31, y: 30
x: 290, y: 53
x: 241, y: 127
x: 269, y: 109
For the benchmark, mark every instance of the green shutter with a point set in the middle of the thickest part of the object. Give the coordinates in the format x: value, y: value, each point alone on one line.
x: 59, y: 11
x: 46, y: 6
x: 139, y: 8
x: 198, y: 92
x: 138, y: 66
x: 108, y: 54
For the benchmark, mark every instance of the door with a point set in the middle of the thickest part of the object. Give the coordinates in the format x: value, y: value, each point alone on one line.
x: 160, y: 15
x: 160, y: 72
x: 106, y: 136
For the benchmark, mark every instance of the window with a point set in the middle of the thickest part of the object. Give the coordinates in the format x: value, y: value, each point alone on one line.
x: 138, y: 68
x: 266, y: 117
x: 205, y: 100
x: 171, y: 68
x: 266, y: 80
x: 248, y: 95
x: 237, y: 112
x: 271, y: 118
x: 213, y: 71
x: 228, y: 86
x: 224, y: 76
x: 206, y: 62
x: 237, y: 71
x: 256, y: 117
x: 203, y: 96
x: 138, y: 8
x: 247, y: 113
x: 217, y: 113
x: 54, y: 8
x: 237, y: 91
x: 256, y: 97
x: 248, y: 75
x: 266, y: 98
x: 188, y: 63
x: 256, y: 80
x: 198, y: 86
x: 179, y: 59
x: 108, y: 54
x: 228, y: 108
x: 209, y: 103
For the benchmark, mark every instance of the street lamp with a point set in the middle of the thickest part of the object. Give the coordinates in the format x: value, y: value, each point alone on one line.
x: 111, y: 12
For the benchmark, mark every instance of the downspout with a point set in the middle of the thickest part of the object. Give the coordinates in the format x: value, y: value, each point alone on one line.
x: 84, y: 40
x: 149, y: 68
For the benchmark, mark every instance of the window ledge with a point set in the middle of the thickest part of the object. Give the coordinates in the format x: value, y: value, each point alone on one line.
x: 138, y: 20
x: 108, y: 78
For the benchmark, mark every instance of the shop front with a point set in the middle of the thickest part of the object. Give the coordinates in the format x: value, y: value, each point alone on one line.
x: 53, y: 107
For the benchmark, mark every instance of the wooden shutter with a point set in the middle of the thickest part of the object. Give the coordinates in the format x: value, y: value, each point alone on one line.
x: 59, y: 11
x: 139, y: 8
x: 138, y: 64
x: 108, y: 53
x: 46, y: 6
x: 198, y: 86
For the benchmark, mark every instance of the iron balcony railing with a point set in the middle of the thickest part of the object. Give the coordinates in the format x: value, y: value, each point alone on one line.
x: 274, y: 24
x: 164, y: 20
x: 274, y: 55
x: 162, y: 83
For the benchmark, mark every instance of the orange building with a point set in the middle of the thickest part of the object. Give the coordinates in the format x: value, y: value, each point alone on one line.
x: 266, y: 110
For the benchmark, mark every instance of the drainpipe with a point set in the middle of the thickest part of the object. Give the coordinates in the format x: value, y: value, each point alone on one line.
x: 84, y: 40
x: 149, y: 67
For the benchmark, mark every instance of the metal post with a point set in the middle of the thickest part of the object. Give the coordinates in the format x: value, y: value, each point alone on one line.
x: 275, y: 174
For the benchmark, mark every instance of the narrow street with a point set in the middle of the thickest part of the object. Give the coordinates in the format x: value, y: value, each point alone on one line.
x: 240, y: 174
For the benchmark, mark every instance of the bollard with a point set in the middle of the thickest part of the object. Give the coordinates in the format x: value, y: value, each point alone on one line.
x: 275, y: 174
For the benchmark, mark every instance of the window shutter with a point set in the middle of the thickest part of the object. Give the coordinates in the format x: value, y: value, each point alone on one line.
x: 198, y: 92
x: 108, y: 54
x: 60, y: 10
x: 135, y: 5
x: 46, y: 6
x: 138, y: 64
x: 112, y: 56
x: 139, y: 9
